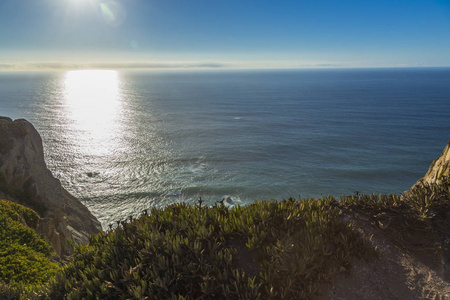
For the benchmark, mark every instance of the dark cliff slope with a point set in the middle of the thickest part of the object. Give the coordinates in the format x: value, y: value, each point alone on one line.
x: 24, y: 178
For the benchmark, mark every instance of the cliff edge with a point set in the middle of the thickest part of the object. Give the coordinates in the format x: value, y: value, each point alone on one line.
x: 412, y: 237
x: 438, y: 169
x: 25, y: 179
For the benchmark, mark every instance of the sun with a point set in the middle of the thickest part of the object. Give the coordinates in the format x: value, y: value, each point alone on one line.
x: 83, y: 4
x: 78, y: 2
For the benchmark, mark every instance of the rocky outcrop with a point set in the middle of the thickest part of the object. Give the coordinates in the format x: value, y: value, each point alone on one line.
x: 439, y: 169
x: 24, y: 178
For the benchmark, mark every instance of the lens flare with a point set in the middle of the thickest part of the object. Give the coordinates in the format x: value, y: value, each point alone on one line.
x: 113, y: 13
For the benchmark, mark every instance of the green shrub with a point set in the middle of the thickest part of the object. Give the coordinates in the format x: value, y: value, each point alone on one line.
x: 267, y: 250
x: 24, y: 256
x: 429, y: 200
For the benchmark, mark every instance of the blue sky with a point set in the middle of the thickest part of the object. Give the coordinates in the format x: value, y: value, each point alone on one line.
x: 41, y: 34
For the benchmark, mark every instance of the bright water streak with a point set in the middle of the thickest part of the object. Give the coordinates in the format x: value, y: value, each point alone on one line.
x: 126, y: 141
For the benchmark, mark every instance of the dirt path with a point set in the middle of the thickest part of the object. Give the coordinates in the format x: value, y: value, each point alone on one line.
x: 395, y: 274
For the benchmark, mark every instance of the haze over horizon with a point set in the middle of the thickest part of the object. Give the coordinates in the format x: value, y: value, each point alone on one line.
x: 137, y: 34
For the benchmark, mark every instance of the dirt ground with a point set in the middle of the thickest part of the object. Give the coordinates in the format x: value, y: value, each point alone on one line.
x: 397, y: 273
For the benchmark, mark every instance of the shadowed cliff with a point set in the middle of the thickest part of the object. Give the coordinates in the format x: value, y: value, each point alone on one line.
x: 25, y: 179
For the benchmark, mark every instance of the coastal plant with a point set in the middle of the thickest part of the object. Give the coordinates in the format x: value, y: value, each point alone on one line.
x: 267, y: 250
x: 428, y: 198
x: 24, y: 256
x: 416, y: 220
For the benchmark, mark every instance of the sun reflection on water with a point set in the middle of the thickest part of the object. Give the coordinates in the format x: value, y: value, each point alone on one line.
x: 94, y: 102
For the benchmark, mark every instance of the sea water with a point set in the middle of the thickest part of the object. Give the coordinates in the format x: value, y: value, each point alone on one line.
x: 124, y: 141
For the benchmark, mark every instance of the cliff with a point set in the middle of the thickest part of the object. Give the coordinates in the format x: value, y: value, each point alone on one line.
x: 25, y: 179
x: 438, y: 169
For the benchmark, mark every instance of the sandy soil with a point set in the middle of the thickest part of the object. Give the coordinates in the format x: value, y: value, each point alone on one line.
x: 396, y: 273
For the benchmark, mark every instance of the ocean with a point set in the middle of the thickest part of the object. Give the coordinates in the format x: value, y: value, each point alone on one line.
x: 124, y: 141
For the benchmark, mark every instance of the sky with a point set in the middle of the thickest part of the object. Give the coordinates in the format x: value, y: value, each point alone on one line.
x: 74, y: 34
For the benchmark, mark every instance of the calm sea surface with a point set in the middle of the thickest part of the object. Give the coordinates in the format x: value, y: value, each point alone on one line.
x: 125, y: 141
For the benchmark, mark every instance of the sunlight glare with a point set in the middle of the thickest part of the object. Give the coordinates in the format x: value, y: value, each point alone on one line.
x: 93, y: 98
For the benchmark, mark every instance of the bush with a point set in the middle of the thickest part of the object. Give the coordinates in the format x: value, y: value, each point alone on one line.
x: 267, y: 250
x: 24, y: 256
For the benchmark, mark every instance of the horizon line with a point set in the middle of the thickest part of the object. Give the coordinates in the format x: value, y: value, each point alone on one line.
x: 191, y: 65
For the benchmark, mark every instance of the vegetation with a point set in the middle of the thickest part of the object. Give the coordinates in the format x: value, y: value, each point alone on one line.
x: 267, y: 250
x: 418, y: 221
x: 423, y: 202
x: 24, y: 256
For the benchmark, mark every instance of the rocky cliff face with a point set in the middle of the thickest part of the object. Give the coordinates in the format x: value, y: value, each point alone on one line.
x: 24, y: 178
x: 439, y: 169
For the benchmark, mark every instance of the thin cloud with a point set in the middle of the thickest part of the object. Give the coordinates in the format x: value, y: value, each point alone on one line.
x: 150, y: 65
x: 5, y: 66
x: 110, y: 65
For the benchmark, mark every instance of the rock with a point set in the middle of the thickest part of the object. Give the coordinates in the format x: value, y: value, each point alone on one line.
x: 47, y: 228
x: 24, y: 178
x: 229, y: 201
x: 438, y: 169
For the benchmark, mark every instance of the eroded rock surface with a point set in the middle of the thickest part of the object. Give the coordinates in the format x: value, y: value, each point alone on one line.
x: 438, y: 169
x: 24, y: 178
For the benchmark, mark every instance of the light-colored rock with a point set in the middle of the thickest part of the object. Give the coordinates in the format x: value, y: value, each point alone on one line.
x: 29, y: 182
x: 438, y: 169
x: 47, y: 228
